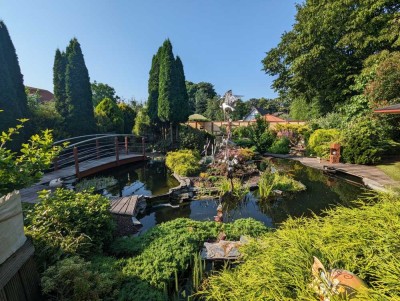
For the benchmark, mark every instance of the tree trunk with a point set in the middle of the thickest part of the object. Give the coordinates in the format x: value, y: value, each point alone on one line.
x: 171, y: 132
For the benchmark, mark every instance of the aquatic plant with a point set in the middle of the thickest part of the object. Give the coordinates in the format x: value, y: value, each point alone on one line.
x: 363, y: 240
x: 239, y: 190
x: 276, y: 181
x: 95, y: 183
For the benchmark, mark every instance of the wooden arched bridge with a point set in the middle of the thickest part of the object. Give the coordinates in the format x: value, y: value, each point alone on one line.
x: 86, y: 155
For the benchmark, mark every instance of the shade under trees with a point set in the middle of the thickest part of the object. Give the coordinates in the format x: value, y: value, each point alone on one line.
x: 75, y: 104
x: 13, y: 100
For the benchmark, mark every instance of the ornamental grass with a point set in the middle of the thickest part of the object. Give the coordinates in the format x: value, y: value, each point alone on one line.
x: 364, y: 240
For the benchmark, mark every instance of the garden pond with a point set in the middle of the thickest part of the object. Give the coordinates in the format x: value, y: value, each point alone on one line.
x: 153, y: 178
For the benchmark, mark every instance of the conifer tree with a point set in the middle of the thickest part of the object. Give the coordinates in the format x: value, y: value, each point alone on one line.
x: 13, y: 99
x: 167, y: 90
x: 181, y: 106
x: 152, y: 102
x: 80, y: 117
x: 59, y: 69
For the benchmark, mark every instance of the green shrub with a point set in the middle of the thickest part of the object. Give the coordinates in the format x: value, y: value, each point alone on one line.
x: 183, y: 162
x: 66, y: 222
x: 363, y: 240
x: 21, y: 170
x: 244, y: 142
x: 280, y: 146
x: 363, y: 141
x: 109, y: 117
x: 241, y: 132
x: 245, y: 154
x: 260, y: 135
x: 194, y: 139
x: 257, y: 135
x: 168, y: 248
x: 74, y: 279
x: 321, y: 140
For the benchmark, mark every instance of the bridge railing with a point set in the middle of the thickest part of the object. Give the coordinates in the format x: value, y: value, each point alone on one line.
x: 94, y: 147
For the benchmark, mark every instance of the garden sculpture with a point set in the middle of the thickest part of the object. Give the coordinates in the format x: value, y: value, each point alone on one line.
x: 219, y: 218
x: 229, y: 102
x: 228, y: 106
x: 334, y: 282
x: 56, y: 183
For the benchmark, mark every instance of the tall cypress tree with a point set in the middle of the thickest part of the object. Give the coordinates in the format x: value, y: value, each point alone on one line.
x: 59, y: 69
x: 80, y: 118
x: 181, y: 105
x: 167, y: 89
x: 152, y: 102
x: 13, y: 99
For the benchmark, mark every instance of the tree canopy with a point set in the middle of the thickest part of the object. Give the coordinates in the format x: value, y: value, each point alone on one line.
x: 109, y: 117
x: 317, y: 61
x: 101, y: 91
x: 13, y: 99
x: 72, y: 91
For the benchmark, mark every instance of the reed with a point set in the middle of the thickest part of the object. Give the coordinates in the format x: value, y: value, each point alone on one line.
x: 239, y: 190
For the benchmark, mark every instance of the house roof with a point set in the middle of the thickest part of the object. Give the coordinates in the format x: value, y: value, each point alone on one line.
x: 44, y: 95
x: 272, y: 118
x: 262, y: 111
x: 393, y: 109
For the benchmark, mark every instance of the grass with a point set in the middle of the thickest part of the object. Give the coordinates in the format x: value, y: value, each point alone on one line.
x: 364, y: 240
x: 391, y: 169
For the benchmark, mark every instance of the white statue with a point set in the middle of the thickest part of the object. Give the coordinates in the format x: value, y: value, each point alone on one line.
x: 229, y: 102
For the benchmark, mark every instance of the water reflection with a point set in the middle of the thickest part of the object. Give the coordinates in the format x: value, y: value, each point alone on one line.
x: 142, y: 179
x: 322, y: 192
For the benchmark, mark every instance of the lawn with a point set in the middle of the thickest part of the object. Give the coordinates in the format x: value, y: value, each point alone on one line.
x: 392, y: 169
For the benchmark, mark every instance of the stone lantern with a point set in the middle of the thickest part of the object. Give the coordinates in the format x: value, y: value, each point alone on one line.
x: 334, y: 153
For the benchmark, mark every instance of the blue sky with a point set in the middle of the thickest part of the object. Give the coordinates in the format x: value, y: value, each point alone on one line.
x: 219, y: 41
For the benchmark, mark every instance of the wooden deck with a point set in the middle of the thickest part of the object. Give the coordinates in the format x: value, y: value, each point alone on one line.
x: 372, y: 176
x: 125, y: 205
x: 29, y: 195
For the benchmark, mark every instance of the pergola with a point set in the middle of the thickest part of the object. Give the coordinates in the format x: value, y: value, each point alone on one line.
x: 393, y: 109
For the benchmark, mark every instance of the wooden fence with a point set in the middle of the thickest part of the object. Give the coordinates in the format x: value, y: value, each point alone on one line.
x: 214, y: 127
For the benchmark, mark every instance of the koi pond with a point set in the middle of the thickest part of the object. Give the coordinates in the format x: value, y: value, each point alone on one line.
x: 153, y: 178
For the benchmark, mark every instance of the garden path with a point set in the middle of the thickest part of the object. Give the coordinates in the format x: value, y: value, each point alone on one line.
x: 372, y: 176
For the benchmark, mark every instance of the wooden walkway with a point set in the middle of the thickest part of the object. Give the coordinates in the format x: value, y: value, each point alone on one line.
x: 372, y: 176
x: 29, y: 195
x: 93, y: 166
x: 125, y: 205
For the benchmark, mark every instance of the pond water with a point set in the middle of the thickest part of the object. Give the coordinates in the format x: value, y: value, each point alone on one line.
x: 151, y: 178
x: 323, y: 191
